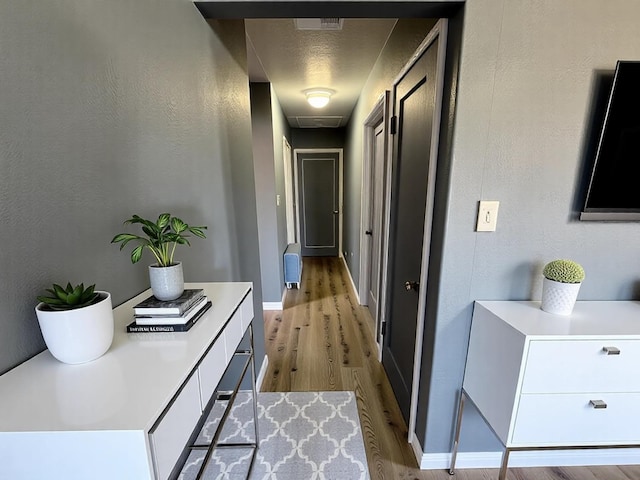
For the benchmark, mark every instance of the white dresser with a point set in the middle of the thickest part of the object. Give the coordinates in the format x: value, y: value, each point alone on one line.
x: 129, y: 414
x: 549, y: 381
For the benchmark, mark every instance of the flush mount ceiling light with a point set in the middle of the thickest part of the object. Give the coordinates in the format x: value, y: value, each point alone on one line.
x: 318, y: 97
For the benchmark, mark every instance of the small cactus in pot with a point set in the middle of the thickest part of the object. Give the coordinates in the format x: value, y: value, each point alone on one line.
x: 70, y: 297
x: 564, y: 271
x: 76, y: 322
x: 562, y: 280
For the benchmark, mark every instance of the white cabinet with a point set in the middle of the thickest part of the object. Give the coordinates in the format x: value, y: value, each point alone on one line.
x: 549, y: 381
x: 129, y: 414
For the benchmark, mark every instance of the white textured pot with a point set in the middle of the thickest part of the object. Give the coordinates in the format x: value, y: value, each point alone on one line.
x: 79, y: 335
x: 167, y: 283
x: 559, y: 298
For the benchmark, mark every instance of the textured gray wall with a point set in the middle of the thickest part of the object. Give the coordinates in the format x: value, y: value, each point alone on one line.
x: 269, y: 126
x: 526, y: 89
x: 262, y: 131
x: 280, y: 129
x: 109, y: 109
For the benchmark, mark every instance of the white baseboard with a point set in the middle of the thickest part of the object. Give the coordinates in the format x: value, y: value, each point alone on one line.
x: 536, y: 458
x: 271, y: 305
x: 262, y: 373
x: 353, y: 285
x: 275, y: 305
x: 417, y: 449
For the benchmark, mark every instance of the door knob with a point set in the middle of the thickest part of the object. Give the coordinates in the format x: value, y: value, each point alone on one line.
x: 335, y: 212
x: 411, y: 286
x: 368, y: 232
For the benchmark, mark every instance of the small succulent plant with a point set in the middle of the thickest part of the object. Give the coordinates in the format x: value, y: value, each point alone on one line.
x: 70, y: 297
x: 564, y: 271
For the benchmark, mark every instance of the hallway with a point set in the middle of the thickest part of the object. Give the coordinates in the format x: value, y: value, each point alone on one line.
x: 323, y: 340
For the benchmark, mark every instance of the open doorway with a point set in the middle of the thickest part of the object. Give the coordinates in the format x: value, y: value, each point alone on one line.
x: 352, y: 211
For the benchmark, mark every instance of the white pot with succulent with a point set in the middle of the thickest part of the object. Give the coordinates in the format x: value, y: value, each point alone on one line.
x: 560, y: 286
x: 76, y: 322
x: 162, y: 236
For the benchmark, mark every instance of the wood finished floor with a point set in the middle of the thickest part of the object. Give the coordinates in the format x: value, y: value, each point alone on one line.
x: 323, y: 340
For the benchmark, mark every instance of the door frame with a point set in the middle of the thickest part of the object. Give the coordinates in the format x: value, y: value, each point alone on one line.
x: 379, y: 114
x: 439, y: 32
x: 296, y: 180
x: 289, y: 203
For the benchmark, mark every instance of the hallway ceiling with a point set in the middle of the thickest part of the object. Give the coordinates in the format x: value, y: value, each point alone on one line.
x: 294, y: 60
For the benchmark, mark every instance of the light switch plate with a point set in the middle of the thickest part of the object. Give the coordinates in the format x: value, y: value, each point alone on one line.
x: 487, y: 216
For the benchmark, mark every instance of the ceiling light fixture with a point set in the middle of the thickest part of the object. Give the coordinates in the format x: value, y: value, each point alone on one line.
x: 318, y: 97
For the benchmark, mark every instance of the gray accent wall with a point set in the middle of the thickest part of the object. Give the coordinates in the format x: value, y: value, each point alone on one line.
x: 110, y: 109
x: 526, y: 92
x: 269, y: 127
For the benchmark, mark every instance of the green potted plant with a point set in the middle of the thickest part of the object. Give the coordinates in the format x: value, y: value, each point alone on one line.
x: 76, y: 322
x: 161, y: 238
x: 561, y: 283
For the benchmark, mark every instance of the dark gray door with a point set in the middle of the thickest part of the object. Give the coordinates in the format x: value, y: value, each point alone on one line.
x: 414, y: 107
x: 318, y: 175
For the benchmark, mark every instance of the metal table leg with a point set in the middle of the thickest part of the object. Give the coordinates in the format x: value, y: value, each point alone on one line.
x: 456, y: 440
x: 503, y: 468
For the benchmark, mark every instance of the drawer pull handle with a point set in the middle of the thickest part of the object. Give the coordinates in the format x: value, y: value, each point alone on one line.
x: 611, y: 350
x: 598, y: 403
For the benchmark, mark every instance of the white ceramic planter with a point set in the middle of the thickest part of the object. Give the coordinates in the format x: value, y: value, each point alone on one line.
x: 558, y: 298
x: 167, y: 283
x: 79, y: 335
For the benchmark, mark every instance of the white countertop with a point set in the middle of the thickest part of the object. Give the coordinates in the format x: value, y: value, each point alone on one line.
x: 589, y: 318
x: 127, y: 388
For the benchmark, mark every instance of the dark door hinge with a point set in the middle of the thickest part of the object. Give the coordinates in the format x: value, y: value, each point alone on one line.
x: 383, y: 328
x: 394, y: 125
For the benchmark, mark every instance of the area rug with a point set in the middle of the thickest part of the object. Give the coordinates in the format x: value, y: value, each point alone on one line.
x: 303, y: 436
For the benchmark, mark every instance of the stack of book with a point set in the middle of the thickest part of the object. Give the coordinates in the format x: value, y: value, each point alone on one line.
x: 179, y: 315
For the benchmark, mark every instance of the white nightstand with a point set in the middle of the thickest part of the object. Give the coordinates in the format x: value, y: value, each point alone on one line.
x: 544, y: 381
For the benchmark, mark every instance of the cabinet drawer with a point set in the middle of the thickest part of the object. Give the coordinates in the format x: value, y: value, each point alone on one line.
x: 211, y: 369
x: 557, y: 420
x: 574, y: 366
x: 172, y: 433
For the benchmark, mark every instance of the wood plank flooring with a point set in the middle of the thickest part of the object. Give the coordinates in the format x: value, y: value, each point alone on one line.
x: 323, y: 340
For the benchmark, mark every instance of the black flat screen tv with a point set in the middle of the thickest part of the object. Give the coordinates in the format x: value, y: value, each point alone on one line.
x: 614, y: 189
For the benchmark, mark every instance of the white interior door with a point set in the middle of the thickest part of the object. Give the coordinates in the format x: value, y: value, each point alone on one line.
x: 288, y: 191
x: 374, y: 233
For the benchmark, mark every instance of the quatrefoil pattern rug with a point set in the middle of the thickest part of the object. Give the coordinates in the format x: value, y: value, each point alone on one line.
x: 303, y: 436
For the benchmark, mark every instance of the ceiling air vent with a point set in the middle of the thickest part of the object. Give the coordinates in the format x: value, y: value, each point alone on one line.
x: 319, y: 122
x: 329, y: 23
